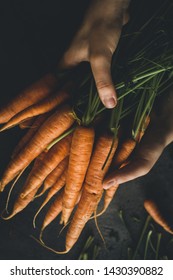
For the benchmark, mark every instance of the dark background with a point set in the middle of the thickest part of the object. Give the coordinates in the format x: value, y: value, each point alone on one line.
x: 33, y: 37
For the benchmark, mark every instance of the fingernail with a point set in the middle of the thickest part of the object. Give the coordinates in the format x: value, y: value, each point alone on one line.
x: 109, y: 184
x: 109, y: 102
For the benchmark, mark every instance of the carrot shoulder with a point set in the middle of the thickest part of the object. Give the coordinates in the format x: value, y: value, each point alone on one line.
x: 31, y: 95
x: 52, y: 128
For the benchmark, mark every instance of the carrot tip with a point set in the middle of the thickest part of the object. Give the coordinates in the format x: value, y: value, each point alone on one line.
x: 1, y: 186
x: 61, y: 221
x: 49, y: 248
x: 5, y: 127
x: 8, y: 217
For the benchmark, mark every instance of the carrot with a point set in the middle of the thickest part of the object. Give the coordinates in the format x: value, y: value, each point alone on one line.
x: 123, y: 152
x: 55, y: 174
x: 154, y: 212
x: 20, y: 203
x: 31, y: 95
x: 52, y: 128
x: 92, y: 189
x: 45, y: 105
x: 28, y: 136
x: 53, y: 190
x: 54, y: 210
x: 80, y: 154
x: 52, y: 158
x: 108, y: 196
x: 143, y: 128
x: 120, y: 159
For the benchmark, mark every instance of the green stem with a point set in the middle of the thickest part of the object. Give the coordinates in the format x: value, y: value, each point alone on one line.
x: 141, y: 237
x: 158, y: 245
x: 69, y: 131
x: 147, y: 243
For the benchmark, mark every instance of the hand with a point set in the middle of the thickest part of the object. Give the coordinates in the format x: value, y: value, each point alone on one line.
x: 96, y: 42
x: 158, y: 135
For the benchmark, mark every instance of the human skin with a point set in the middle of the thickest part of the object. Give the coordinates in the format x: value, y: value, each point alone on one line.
x: 158, y: 135
x: 96, y: 41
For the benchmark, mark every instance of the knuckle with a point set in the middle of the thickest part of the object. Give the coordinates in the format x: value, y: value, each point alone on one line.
x: 97, y: 58
x: 100, y: 84
x: 99, y: 55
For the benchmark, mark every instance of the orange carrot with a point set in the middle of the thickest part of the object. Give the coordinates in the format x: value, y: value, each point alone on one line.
x: 45, y: 105
x: 108, y: 196
x: 54, y: 210
x: 92, y: 189
x: 53, y: 190
x: 20, y: 203
x: 80, y: 153
x: 123, y: 152
x: 28, y: 136
x: 153, y: 210
x: 52, y: 158
x: 120, y: 159
x: 55, y: 174
x: 143, y: 128
x: 52, y: 128
x: 31, y: 95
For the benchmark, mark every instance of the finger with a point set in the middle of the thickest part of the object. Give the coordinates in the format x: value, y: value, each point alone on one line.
x: 101, y: 68
x: 103, y: 42
x: 145, y: 157
x: 133, y: 170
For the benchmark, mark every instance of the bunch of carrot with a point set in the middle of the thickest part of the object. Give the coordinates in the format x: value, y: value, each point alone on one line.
x: 69, y: 160
x: 69, y: 157
x: 72, y: 143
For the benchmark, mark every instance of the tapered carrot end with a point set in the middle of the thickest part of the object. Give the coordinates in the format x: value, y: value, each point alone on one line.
x: 1, y: 186
x: 61, y: 221
x: 68, y: 248
x: 65, y: 216
x: 8, y: 217
x: 49, y: 248
x: 5, y: 127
